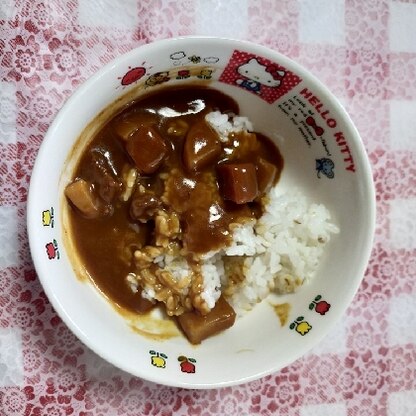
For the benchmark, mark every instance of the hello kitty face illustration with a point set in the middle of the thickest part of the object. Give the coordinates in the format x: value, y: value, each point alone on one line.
x: 255, y: 75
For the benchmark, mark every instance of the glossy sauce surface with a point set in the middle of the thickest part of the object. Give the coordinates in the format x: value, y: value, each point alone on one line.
x: 106, y: 244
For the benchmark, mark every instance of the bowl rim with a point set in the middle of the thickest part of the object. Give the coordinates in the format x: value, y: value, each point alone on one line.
x: 307, y: 76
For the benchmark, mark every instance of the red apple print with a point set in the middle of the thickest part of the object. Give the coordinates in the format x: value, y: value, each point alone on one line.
x: 187, y: 367
x: 322, y: 307
x: 183, y: 73
x: 187, y: 364
x: 133, y: 75
x: 52, y: 250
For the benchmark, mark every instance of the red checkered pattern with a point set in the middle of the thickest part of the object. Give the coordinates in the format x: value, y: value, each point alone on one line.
x: 367, y: 366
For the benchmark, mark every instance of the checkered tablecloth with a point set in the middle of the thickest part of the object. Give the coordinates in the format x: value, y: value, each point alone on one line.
x: 365, y: 52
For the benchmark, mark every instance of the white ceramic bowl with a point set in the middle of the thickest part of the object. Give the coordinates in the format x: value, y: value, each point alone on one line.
x: 324, y: 157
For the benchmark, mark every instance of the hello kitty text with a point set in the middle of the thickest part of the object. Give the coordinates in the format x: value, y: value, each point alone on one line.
x: 331, y: 123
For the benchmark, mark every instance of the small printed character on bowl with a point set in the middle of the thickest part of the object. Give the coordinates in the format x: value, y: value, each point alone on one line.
x: 183, y: 74
x: 48, y: 218
x: 325, y: 166
x: 255, y: 75
x: 158, y: 78
x: 302, y: 327
x: 158, y: 359
x: 194, y: 59
x: 52, y: 250
x: 320, y: 306
x: 205, y: 74
x: 187, y: 364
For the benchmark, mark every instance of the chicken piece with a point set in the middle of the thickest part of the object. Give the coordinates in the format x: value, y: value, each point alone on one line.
x: 81, y: 194
x: 198, y: 327
x: 144, y: 206
x: 202, y: 147
x: 108, y: 187
x: 266, y: 174
x: 147, y: 149
x: 103, y: 176
x: 238, y: 182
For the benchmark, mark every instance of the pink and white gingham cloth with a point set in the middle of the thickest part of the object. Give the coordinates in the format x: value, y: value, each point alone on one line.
x: 365, y: 52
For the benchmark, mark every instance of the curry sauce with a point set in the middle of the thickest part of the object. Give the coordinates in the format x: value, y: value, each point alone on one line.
x: 157, y: 175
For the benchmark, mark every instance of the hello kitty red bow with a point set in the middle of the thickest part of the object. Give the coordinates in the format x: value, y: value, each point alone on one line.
x: 277, y: 74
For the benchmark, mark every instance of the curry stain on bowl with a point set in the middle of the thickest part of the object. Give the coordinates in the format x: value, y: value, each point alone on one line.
x: 154, y: 327
x: 282, y: 311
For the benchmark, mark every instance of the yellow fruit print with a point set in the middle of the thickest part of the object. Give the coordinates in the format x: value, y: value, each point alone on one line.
x: 158, y: 359
x: 48, y: 218
x: 302, y: 327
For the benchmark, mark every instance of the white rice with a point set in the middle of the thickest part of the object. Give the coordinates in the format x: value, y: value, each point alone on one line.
x: 224, y: 124
x: 281, y: 251
x: 288, y: 242
x: 212, y: 273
